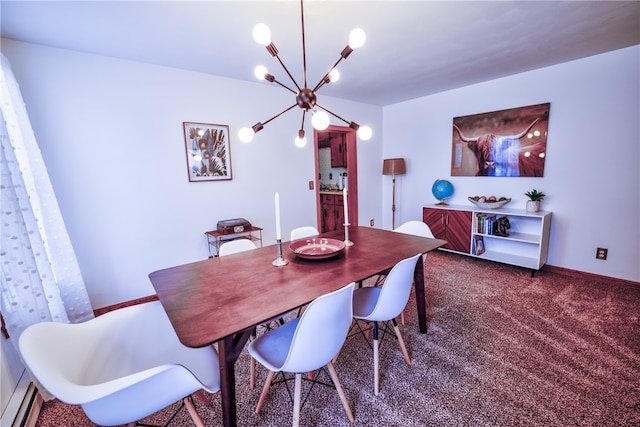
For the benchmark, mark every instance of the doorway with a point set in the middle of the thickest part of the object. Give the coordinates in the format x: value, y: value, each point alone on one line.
x: 336, y: 167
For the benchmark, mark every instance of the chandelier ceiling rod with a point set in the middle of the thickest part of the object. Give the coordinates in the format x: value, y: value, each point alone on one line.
x: 305, y: 97
x: 304, y: 48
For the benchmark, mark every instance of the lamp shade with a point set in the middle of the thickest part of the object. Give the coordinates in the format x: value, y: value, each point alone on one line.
x: 394, y: 167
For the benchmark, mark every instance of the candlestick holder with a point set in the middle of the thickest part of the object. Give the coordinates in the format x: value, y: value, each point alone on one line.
x: 279, y: 262
x: 347, y: 242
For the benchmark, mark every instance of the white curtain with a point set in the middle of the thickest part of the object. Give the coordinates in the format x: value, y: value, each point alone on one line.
x: 40, y: 275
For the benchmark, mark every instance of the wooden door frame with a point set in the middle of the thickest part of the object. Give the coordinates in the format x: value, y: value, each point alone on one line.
x: 352, y: 172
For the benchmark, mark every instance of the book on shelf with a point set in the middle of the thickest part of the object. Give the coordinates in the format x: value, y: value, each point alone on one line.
x: 478, y: 245
x: 489, y: 224
x: 485, y: 223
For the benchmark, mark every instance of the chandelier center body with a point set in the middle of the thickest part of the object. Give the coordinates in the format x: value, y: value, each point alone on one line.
x: 306, y: 98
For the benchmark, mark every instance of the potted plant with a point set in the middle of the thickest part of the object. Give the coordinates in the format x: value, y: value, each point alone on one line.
x: 535, y: 196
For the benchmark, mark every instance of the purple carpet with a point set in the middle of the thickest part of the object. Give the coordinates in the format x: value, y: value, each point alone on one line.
x: 502, y: 349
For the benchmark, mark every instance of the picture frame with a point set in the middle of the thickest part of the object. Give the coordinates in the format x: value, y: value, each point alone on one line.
x: 208, y: 151
x: 505, y: 143
x: 478, y: 243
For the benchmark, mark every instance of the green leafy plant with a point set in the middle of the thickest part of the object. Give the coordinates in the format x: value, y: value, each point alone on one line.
x: 535, y: 195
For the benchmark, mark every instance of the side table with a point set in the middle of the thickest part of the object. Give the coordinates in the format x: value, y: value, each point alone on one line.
x: 216, y: 238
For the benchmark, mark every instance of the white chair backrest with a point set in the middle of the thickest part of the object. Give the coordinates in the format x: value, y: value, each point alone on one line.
x: 395, y: 290
x: 321, y: 331
x: 303, y: 232
x: 82, y: 362
x: 236, y: 246
x: 417, y: 228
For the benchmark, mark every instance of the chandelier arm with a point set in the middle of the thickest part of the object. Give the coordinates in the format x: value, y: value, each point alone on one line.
x: 333, y: 114
x: 285, y: 86
x: 280, y: 113
x: 303, y: 114
x: 325, y: 77
x: 287, y: 71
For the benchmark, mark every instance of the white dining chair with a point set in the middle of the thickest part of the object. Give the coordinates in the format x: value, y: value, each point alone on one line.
x: 303, y: 232
x: 236, y: 246
x: 306, y: 344
x: 382, y: 304
x: 416, y: 228
x: 120, y: 367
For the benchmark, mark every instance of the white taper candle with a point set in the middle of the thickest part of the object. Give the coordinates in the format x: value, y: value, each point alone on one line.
x: 278, y: 231
x: 346, y: 206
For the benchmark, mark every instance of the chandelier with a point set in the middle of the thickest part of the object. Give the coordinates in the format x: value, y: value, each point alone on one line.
x: 305, y: 97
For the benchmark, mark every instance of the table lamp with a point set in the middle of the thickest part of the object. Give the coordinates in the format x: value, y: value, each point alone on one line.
x: 393, y: 167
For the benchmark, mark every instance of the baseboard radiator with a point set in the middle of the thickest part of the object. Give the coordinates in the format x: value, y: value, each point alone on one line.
x: 29, y: 411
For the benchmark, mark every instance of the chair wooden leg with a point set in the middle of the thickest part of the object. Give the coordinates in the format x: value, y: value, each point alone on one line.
x: 252, y: 374
x: 403, y: 347
x: 200, y: 394
x: 343, y: 398
x: 402, y: 317
x: 265, y: 390
x: 376, y: 362
x: 252, y: 367
x: 297, y: 394
x: 192, y: 411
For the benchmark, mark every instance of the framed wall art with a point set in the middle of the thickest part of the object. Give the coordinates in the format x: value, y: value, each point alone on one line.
x: 208, y: 151
x: 509, y: 142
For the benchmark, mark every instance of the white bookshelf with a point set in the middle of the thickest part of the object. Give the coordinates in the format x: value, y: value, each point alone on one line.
x: 526, y: 245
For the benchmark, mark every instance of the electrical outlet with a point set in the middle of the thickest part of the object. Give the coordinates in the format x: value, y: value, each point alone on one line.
x: 601, y: 253
x: 310, y: 185
x: 371, y: 222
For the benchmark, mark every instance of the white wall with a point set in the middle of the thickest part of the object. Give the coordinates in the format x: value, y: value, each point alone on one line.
x: 111, y: 135
x: 591, y: 176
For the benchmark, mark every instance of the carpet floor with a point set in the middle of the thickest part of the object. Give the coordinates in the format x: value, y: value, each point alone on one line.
x: 502, y: 349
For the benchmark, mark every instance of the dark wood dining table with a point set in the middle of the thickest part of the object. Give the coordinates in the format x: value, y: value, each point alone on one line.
x: 221, y: 300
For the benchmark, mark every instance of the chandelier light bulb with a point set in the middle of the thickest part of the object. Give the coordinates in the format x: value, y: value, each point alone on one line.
x: 301, y: 142
x: 260, y: 71
x: 364, y: 133
x: 262, y: 34
x: 246, y: 134
x: 320, y: 120
x: 334, y: 75
x: 356, y: 38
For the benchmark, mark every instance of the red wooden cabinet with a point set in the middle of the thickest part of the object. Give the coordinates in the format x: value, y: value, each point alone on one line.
x: 332, y: 211
x: 338, y: 151
x: 454, y: 226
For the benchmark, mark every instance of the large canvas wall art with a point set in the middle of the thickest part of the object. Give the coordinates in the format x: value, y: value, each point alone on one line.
x: 208, y: 151
x: 509, y: 142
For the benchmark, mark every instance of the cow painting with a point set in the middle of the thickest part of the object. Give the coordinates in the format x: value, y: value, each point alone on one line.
x: 502, y: 143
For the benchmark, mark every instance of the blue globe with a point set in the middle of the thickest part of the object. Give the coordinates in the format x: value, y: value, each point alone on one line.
x: 442, y: 190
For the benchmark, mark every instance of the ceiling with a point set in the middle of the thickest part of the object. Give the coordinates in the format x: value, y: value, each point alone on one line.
x: 413, y: 48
